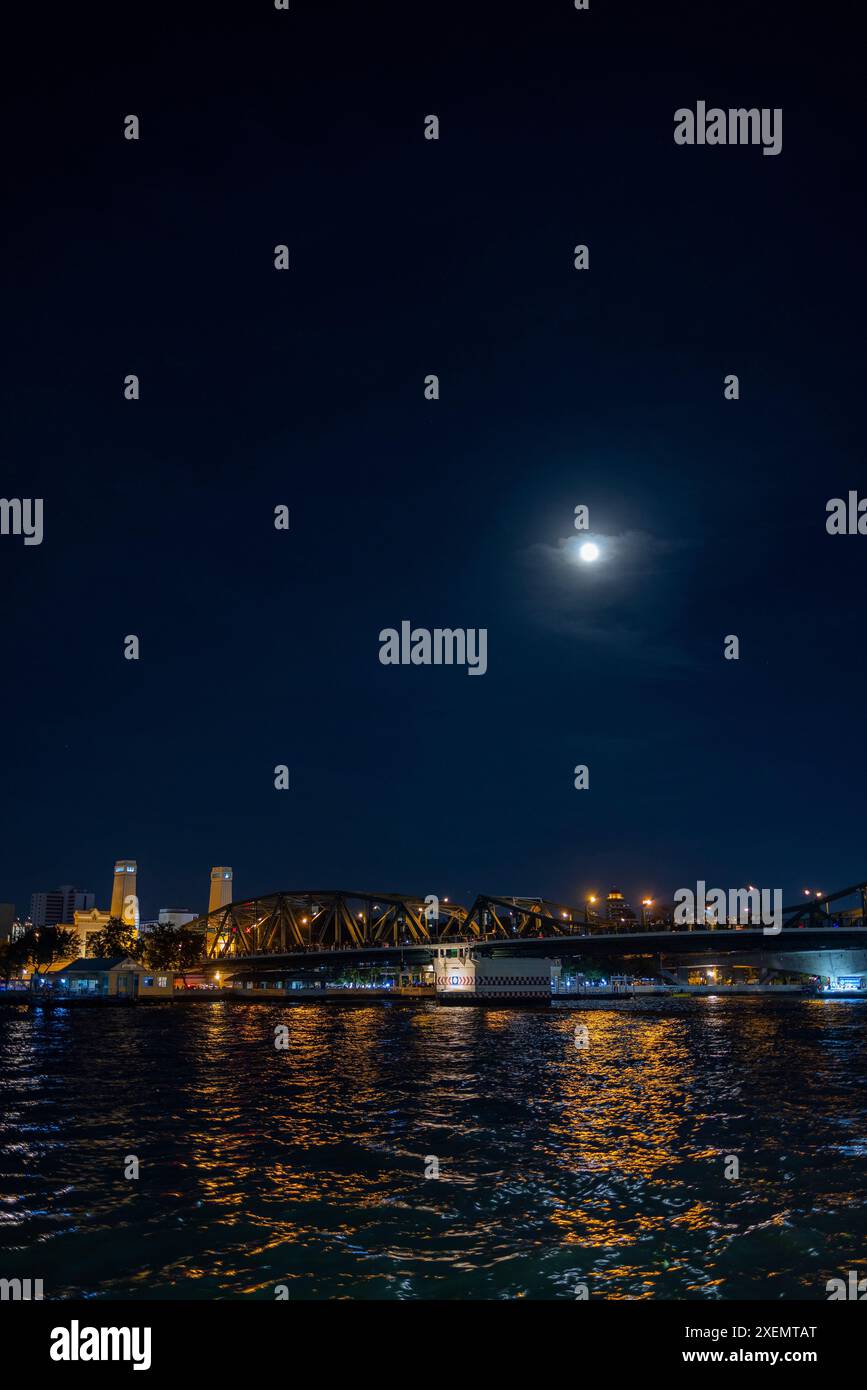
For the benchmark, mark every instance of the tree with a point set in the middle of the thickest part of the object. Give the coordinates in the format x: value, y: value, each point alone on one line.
x: 192, y: 947
x: 11, y: 960
x: 55, y: 943
x: 160, y: 948
x: 41, y: 946
x: 173, y: 948
x: 190, y: 950
x: 117, y: 939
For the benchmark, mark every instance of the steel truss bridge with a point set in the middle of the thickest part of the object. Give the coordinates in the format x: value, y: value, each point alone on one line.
x: 319, y: 922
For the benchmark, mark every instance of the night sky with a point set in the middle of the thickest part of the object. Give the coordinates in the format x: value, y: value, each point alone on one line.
x: 305, y: 388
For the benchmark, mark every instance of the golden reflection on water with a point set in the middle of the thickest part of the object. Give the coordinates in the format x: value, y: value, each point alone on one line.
x: 632, y: 1126
x: 306, y: 1165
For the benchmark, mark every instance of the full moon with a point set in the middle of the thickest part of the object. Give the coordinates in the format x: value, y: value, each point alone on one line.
x: 589, y: 551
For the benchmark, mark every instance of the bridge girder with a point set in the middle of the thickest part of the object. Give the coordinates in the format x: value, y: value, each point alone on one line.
x: 314, y: 920
x: 309, y: 920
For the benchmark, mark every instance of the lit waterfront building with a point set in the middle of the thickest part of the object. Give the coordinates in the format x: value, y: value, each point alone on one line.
x: 221, y: 888
x: 95, y: 976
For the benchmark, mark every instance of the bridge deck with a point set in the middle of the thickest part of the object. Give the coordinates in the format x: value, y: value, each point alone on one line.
x: 683, y: 943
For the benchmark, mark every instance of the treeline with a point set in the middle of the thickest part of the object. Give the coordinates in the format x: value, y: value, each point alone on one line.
x: 163, y: 948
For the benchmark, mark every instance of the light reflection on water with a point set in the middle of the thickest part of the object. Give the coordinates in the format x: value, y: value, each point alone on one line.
x: 559, y: 1165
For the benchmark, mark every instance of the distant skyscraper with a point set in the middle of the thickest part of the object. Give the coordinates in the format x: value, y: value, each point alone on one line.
x: 617, y: 909
x: 124, y: 900
x: 221, y: 888
x: 59, y: 905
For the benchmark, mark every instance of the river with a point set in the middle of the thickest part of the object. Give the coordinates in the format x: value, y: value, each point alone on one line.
x: 305, y: 1171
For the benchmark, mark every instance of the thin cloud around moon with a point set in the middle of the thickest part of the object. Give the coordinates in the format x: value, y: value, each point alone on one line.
x: 624, y: 603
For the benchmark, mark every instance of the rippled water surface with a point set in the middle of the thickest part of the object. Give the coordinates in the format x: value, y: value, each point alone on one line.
x: 558, y: 1166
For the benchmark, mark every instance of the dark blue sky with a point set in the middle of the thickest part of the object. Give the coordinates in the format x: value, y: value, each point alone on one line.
x: 557, y: 387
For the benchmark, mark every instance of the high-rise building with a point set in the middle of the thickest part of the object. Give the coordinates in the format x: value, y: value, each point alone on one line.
x: 617, y: 909
x: 59, y: 905
x: 124, y: 900
x: 221, y: 888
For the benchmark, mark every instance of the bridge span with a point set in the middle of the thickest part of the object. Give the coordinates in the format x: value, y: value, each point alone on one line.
x: 304, y: 929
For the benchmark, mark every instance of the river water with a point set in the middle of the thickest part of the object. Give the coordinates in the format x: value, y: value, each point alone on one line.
x: 559, y: 1166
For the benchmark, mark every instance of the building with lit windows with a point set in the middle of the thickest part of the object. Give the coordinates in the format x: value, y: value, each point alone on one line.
x: 618, y: 913
x: 59, y: 905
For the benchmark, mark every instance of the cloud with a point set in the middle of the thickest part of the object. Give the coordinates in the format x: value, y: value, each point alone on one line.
x: 624, y: 604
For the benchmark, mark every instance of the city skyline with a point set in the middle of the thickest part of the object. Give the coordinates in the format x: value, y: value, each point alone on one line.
x: 595, y: 898
x: 304, y: 389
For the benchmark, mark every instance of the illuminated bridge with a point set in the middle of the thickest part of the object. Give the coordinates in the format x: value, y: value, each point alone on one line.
x: 310, y: 927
